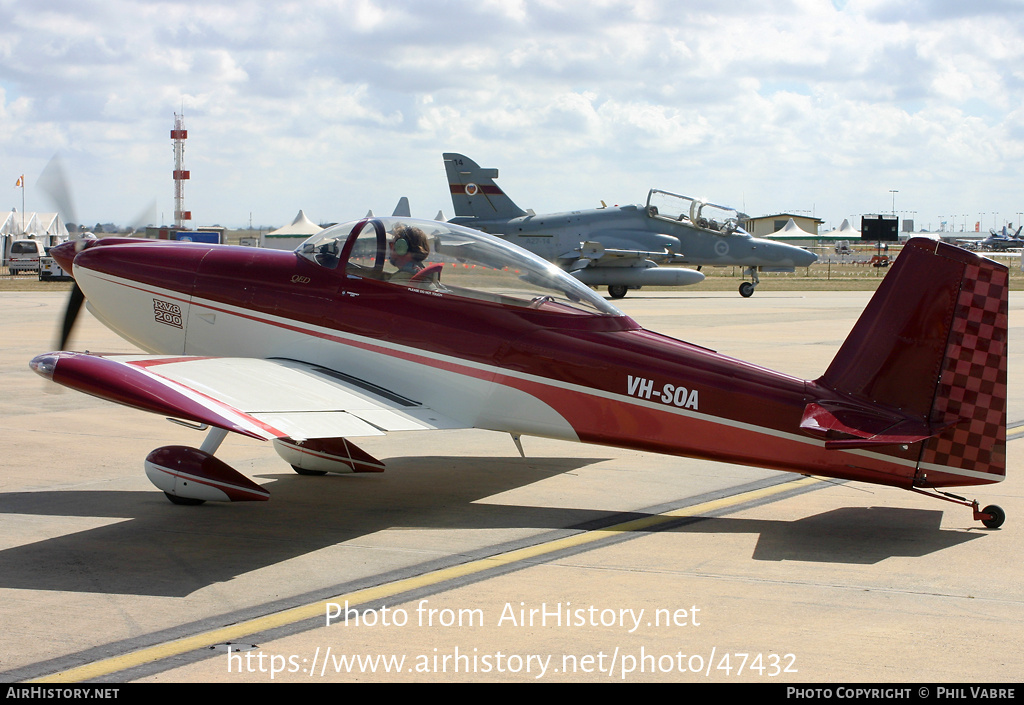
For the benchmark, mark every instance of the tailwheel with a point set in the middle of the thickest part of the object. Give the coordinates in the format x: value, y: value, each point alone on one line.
x: 991, y: 516
x: 996, y: 516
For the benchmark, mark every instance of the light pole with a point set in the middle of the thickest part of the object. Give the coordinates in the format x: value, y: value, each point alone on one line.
x: 893, y: 192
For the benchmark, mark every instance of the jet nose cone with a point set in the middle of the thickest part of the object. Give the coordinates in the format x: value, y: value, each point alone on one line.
x: 791, y: 255
x: 805, y: 258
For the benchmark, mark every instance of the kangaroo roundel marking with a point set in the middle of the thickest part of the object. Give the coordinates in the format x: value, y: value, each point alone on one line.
x: 721, y: 248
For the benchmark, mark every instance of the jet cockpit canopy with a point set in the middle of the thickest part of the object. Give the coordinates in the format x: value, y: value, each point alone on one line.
x: 672, y: 207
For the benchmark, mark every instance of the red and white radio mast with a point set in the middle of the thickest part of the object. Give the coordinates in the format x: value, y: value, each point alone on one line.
x: 178, y: 135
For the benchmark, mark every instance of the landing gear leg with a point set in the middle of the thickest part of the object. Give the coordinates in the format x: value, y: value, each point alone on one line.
x: 213, y: 440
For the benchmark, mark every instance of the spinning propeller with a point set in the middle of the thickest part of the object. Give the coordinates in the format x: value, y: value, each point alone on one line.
x: 54, y: 182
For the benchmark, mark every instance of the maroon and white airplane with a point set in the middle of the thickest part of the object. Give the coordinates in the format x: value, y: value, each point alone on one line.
x: 345, y: 337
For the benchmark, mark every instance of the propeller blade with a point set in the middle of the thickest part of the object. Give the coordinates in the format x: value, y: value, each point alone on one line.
x: 71, y: 311
x: 53, y: 181
x: 146, y: 217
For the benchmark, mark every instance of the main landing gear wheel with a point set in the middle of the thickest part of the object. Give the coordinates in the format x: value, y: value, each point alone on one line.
x: 617, y: 291
x: 996, y: 516
x: 746, y: 290
x: 311, y: 473
x: 184, y: 501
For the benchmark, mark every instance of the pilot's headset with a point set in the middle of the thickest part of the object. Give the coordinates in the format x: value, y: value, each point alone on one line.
x: 412, y: 241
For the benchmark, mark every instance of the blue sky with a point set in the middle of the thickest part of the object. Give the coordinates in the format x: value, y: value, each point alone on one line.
x: 336, y: 107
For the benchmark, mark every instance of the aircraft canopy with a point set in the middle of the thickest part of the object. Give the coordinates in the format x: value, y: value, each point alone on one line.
x: 695, y: 212
x: 458, y: 261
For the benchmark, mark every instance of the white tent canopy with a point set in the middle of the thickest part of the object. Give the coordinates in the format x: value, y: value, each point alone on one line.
x: 40, y: 226
x: 792, y: 231
x: 292, y: 235
x: 845, y: 231
x: 300, y: 226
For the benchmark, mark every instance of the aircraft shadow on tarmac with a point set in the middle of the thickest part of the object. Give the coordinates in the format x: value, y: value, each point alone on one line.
x: 854, y: 535
x: 165, y: 550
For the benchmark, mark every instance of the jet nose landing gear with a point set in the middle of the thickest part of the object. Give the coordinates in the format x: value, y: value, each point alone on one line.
x: 747, y: 288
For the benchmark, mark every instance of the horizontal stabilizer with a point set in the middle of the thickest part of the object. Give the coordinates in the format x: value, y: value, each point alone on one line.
x: 869, y: 427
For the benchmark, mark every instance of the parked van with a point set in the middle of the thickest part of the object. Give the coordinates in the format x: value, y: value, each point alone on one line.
x: 24, y: 256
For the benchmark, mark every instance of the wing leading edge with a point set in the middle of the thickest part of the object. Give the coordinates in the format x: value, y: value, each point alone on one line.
x: 260, y: 398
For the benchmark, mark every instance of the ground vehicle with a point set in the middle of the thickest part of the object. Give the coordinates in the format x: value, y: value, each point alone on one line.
x: 24, y: 257
x: 50, y: 270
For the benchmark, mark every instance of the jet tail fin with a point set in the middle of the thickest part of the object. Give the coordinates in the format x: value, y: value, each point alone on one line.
x: 474, y: 193
x: 402, y: 210
x: 931, y: 347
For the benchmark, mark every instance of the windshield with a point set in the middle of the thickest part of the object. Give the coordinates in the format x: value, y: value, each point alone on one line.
x: 451, y: 260
x: 24, y: 247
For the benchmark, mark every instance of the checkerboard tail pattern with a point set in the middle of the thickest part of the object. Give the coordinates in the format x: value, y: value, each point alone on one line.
x: 972, y: 384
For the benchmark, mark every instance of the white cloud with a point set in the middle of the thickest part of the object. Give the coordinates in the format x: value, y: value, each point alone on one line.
x: 340, y: 106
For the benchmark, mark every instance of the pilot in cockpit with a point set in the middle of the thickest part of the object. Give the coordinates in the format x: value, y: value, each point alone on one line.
x: 407, y: 250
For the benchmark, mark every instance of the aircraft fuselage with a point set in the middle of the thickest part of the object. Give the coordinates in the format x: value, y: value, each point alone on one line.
x: 541, y: 371
x: 630, y: 228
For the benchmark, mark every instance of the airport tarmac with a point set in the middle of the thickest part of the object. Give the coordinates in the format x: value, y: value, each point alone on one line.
x: 577, y: 563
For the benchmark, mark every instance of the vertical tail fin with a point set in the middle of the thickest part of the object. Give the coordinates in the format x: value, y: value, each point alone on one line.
x: 474, y: 192
x: 932, y: 346
x: 402, y: 210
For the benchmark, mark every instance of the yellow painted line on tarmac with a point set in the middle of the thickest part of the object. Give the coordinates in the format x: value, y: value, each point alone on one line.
x: 234, y: 632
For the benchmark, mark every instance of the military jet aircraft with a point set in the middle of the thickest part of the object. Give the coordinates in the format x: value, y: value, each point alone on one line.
x: 393, y: 324
x: 622, y: 247
x: 1002, y: 240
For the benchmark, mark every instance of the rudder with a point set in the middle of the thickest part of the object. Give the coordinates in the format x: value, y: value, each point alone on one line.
x: 972, y: 386
x: 932, y: 346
